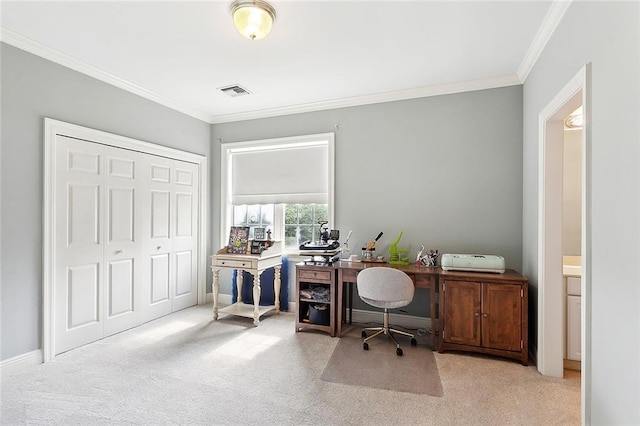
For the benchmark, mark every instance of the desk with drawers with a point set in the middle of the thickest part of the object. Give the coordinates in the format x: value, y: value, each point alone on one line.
x: 477, y: 311
x: 422, y: 277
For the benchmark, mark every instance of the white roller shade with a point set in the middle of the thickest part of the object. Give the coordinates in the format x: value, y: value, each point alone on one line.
x: 289, y: 174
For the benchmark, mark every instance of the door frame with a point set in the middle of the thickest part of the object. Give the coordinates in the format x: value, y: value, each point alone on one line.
x: 52, y: 128
x: 550, y: 294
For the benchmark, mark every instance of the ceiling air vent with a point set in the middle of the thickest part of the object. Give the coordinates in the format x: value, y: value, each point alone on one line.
x: 234, y: 91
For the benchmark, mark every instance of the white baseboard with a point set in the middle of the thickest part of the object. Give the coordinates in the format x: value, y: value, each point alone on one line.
x: 223, y: 299
x: 21, y: 362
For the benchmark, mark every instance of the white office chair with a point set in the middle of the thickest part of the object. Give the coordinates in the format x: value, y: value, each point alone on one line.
x: 385, y: 288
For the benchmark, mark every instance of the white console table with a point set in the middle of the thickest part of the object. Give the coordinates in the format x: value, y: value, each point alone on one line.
x: 255, y: 264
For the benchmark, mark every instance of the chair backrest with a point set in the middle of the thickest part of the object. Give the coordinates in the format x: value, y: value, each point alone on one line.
x: 384, y: 284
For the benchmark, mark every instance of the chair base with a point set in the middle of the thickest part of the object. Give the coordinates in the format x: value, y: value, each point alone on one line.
x: 385, y: 329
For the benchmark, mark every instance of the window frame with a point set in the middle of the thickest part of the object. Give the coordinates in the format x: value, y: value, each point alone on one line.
x: 229, y: 148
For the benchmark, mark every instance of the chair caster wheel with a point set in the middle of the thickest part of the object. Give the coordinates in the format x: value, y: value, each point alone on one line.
x: 399, y: 352
x: 364, y: 335
x: 365, y: 346
x: 414, y: 342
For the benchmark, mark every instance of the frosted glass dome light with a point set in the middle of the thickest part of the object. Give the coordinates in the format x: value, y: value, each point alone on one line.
x: 253, y: 18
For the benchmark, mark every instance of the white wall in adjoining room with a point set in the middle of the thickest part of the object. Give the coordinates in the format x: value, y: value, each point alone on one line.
x: 572, y: 193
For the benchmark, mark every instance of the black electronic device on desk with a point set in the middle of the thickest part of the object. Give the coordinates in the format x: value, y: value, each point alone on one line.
x: 325, y: 251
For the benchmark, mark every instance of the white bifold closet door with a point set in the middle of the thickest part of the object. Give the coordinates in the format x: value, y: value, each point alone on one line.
x: 126, y: 246
x: 170, y: 243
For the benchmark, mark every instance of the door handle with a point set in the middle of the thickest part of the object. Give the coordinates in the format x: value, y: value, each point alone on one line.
x: 120, y: 251
x: 159, y: 247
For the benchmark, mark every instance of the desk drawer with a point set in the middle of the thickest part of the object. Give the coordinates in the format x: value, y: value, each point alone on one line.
x: 349, y: 275
x: 315, y: 275
x: 234, y: 263
x: 421, y: 280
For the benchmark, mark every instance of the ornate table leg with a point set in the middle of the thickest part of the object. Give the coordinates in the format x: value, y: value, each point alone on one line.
x: 239, y: 284
x: 276, y: 287
x: 256, y: 298
x: 215, y: 288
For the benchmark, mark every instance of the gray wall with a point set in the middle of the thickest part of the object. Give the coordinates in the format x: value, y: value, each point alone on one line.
x: 34, y: 88
x: 607, y: 36
x: 446, y: 170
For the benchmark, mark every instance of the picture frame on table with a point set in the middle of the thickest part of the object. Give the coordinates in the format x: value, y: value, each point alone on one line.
x: 238, y: 240
x: 259, y: 233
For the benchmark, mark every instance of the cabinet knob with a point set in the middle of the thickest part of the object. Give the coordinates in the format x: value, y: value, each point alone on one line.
x: 477, y: 314
x: 485, y: 315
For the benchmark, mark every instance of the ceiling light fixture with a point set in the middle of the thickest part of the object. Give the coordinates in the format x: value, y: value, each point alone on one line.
x: 253, y: 18
x: 575, y: 120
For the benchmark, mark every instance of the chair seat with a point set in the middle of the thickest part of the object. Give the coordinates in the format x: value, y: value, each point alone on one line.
x: 389, y: 304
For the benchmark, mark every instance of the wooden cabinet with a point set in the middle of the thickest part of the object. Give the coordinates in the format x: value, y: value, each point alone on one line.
x: 315, y: 298
x: 484, y: 313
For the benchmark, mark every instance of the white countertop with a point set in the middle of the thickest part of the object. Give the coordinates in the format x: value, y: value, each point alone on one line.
x: 572, y: 265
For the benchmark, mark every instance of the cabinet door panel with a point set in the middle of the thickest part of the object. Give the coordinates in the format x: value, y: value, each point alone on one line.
x: 501, y: 316
x: 462, y: 312
x: 574, y: 339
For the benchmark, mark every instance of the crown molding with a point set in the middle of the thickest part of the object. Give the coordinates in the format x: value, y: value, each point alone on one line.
x: 549, y: 24
x: 398, y: 95
x: 54, y: 55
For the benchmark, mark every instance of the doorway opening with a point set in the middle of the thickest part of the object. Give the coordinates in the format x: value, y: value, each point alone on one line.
x: 552, y: 296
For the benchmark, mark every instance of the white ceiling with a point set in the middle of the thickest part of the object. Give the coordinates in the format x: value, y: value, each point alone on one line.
x: 320, y: 54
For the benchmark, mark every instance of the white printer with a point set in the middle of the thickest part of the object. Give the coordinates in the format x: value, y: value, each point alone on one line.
x: 472, y: 262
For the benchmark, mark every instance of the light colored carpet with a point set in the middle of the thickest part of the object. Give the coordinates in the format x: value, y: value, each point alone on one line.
x: 187, y: 369
x: 379, y: 367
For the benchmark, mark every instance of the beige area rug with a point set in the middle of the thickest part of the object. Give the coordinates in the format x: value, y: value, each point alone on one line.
x: 379, y: 367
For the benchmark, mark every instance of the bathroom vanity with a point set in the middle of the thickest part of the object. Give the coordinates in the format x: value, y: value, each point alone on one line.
x: 572, y: 282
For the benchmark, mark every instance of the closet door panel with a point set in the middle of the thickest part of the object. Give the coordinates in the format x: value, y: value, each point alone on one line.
x: 84, y: 217
x: 184, y: 235
x: 184, y: 215
x: 159, y: 290
x: 122, y: 246
x: 160, y: 214
x: 121, y: 215
x: 78, y: 258
x: 157, y: 244
x: 184, y: 276
x: 83, y: 296
x: 120, y: 285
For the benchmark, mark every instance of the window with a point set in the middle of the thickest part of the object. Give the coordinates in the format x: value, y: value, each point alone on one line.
x: 300, y: 221
x: 254, y: 216
x: 285, y: 185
